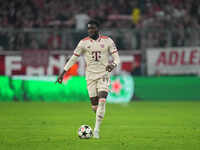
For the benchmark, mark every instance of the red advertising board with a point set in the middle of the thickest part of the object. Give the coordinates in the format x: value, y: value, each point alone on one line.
x: 173, y: 61
x: 15, y: 64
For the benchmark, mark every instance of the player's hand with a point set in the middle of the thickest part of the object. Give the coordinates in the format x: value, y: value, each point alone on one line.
x: 60, y: 79
x: 110, y: 67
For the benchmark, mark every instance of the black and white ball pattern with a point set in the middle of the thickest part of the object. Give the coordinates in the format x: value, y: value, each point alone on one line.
x: 85, y: 132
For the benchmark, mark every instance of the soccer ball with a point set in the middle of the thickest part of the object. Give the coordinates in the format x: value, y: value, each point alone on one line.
x: 85, y: 132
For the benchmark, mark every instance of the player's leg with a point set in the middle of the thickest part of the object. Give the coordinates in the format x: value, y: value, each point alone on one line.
x: 94, y: 102
x: 92, y: 91
x: 102, y: 86
x: 100, y: 112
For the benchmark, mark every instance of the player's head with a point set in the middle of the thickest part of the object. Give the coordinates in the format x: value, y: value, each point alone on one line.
x: 93, y: 29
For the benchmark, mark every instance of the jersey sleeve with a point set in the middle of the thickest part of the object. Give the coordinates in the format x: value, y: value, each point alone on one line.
x: 114, y: 52
x: 79, y: 49
x: 112, y: 46
x: 77, y: 52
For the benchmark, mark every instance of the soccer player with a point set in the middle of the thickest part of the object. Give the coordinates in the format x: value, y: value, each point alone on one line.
x: 96, y: 50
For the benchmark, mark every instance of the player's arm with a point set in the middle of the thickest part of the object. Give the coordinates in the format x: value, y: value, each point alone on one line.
x: 68, y: 65
x: 115, y: 56
x: 70, y: 62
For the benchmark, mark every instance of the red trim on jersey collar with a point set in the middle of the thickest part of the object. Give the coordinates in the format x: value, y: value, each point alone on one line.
x: 86, y: 38
x: 103, y: 37
x: 99, y: 38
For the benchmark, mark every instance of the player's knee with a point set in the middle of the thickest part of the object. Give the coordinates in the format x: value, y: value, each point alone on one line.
x: 94, y: 100
x: 94, y: 107
x: 103, y: 94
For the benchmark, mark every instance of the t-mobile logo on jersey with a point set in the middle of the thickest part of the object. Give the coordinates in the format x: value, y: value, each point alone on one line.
x: 96, y: 55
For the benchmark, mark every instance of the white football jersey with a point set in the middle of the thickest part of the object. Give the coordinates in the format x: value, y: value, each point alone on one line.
x: 96, y: 54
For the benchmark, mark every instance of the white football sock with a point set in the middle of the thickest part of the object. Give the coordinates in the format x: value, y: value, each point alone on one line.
x: 100, y: 113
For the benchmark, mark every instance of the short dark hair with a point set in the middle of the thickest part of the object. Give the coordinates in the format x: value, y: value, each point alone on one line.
x: 94, y: 22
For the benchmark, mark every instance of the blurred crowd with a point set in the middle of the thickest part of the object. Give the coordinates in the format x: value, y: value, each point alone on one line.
x: 112, y: 13
x: 150, y: 23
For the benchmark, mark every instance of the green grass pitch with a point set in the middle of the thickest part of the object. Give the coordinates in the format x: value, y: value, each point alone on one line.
x: 139, y: 125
